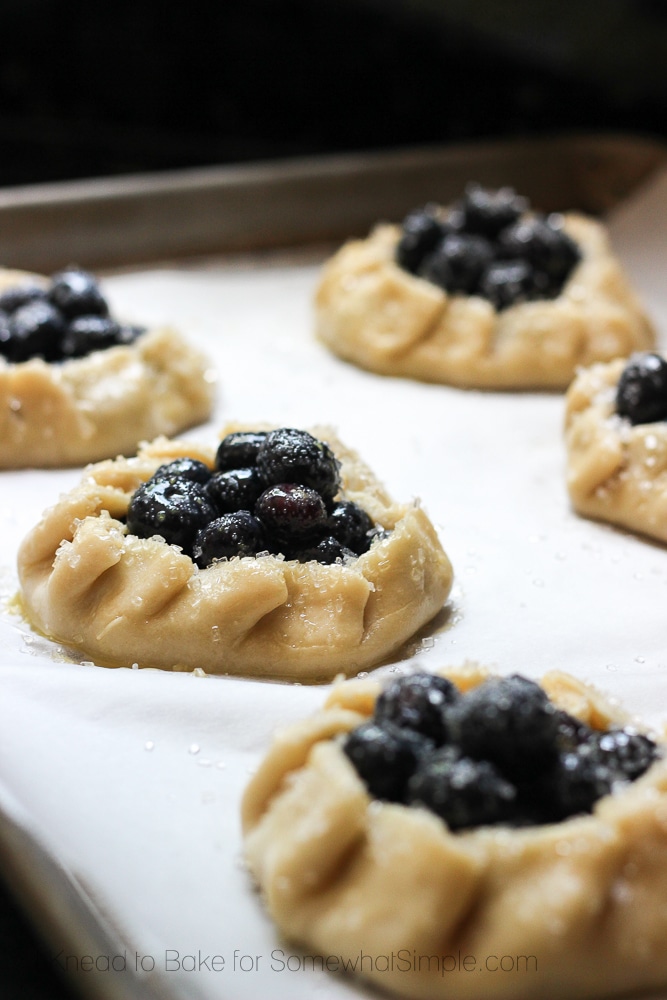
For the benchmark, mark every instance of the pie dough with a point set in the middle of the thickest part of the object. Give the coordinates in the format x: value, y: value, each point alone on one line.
x: 574, y: 909
x: 372, y: 312
x: 101, y: 405
x: 616, y: 472
x: 122, y: 599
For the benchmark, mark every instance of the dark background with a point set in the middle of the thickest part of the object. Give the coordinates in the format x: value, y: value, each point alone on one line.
x: 96, y: 88
x: 91, y: 89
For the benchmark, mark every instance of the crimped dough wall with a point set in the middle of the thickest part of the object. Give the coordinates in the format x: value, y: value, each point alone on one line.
x: 101, y: 405
x: 616, y: 472
x: 576, y: 909
x: 123, y: 599
x: 377, y: 315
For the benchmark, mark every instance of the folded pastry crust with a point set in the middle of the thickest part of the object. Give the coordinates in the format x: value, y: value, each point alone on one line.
x: 574, y: 909
x: 123, y: 599
x: 616, y: 472
x: 103, y: 404
x: 372, y: 312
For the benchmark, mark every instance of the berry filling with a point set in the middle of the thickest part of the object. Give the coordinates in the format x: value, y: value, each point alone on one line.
x: 641, y: 395
x: 282, y: 497
x: 500, y: 754
x: 69, y: 318
x: 489, y: 244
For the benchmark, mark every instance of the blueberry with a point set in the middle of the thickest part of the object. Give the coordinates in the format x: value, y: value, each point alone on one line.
x: 235, y: 489
x: 351, y: 525
x: 184, y: 468
x: 128, y: 334
x: 177, y: 509
x: 463, y: 792
x: 86, y: 334
x: 458, y: 262
x: 293, y: 515
x: 236, y: 534
x: 571, y: 732
x: 384, y: 757
x: 77, y: 293
x: 293, y: 456
x: 421, y: 232
x: 641, y: 395
x: 577, y: 781
x: 35, y: 329
x: 506, y: 282
x: 508, y: 721
x: 488, y: 211
x: 544, y: 244
x: 20, y: 295
x: 418, y: 702
x: 328, y: 551
x: 239, y: 450
x: 5, y: 334
x: 626, y: 751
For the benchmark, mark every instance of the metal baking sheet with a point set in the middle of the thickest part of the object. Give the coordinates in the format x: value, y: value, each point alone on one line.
x: 119, y: 789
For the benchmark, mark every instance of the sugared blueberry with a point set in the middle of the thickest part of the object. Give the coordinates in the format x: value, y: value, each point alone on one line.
x: 544, y: 244
x: 328, y: 551
x: 458, y: 262
x: 351, y: 525
x: 235, y: 489
x: 35, y: 330
x: 20, y: 295
x: 421, y: 232
x: 293, y: 515
x: 239, y: 450
x: 487, y: 211
x: 385, y: 757
x: 76, y: 293
x: 641, y: 395
x: 177, y: 509
x: 184, y: 468
x: 236, y: 534
x: 86, y: 334
x: 506, y: 282
x: 463, y: 792
x: 419, y: 702
x: 294, y: 456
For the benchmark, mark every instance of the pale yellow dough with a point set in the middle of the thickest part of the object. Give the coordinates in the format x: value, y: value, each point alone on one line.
x: 616, y: 472
x: 576, y: 909
x: 121, y: 599
x: 372, y: 312
x: 102, y: 405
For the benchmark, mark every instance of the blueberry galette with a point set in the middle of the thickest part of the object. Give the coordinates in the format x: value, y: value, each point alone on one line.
x: 278, y: 555
x: 470, y: 836
x: 78, y: 385
x: 616, y: 440
x: 485, y: 294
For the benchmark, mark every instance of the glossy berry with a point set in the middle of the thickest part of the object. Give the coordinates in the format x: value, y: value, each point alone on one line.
x: 506, y: 282
x: 385, y: 757
x: 328, y: 551
x: 86, y: 334
x: 641, y: 395
x: 418, y: 702
x: 544, y: 244
x: 77, y: 293
x: 421, y: 232
x: 488, y: 211
x: 293, y: 515
x: 294, y: 456
x: 239, y: 450
x: 176, y: 509
x: 626, y: 751
x: 458, y: 262
x: 236, y: 534
x: 463, y: 792
x: 351, y: 525
x: 235, y: 489
x: 191, y: 469
x: 509, y: 721
x: 35, y: 330
x: 13, y: 298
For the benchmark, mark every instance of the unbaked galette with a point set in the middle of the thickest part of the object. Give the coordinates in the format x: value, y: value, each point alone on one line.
x: 78, y: 385
x: 460, y: 835
x: 616, y: 439
x: 279, y: 555
x: 483, y: 294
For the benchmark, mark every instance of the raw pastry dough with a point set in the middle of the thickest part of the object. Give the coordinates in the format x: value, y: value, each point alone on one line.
x: 122, y: 599
x: 103, y: 404
x: 616, y: 472
x: 574, y: 909
x: 372, y: 312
